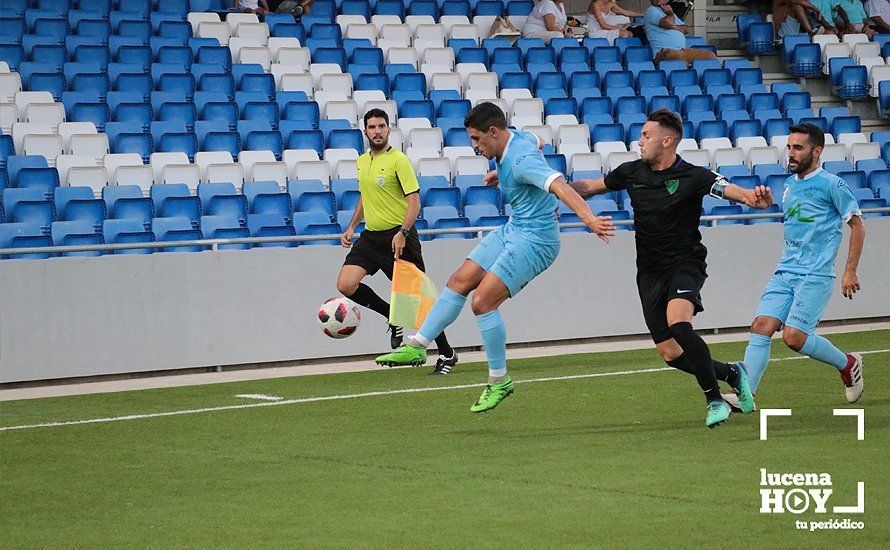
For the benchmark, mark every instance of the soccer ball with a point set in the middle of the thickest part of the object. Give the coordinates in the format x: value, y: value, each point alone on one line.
x: 339, y: 317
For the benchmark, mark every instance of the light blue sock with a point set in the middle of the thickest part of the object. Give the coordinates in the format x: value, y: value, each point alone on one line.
x: 821, y: 349
x: 494, y: 338
x: 756, y: 358
x: 445, y: 311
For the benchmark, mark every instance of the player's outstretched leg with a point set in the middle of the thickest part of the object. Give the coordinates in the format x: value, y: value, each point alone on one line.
x: 446, y: 309
x: 848, y: 365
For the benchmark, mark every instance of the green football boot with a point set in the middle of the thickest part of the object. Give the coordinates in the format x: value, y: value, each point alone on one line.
x: 742, y: 390
x: 405, y: 355
x: 718, y: 412
x: 493, y: 394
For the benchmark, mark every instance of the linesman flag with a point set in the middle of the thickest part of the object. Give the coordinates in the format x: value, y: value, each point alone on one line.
x: 413, y: 295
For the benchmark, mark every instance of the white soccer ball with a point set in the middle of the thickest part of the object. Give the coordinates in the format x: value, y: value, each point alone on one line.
x: 339, y: 317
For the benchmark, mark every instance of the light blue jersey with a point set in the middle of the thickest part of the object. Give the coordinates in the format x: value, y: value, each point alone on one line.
x: 816, y: 207
x: 525, y: 179
x: 528, y: 244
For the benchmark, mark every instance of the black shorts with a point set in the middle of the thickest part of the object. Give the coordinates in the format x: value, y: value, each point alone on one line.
x: 658, y: 287
x: 372, y: 251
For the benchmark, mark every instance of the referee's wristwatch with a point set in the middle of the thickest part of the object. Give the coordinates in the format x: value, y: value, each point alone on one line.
x: 404, y: 232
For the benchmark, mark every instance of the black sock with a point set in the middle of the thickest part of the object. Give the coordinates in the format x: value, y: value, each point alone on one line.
x: 443, y: 345
x: 725, y: 372
x: 699, y: 356
x: 680, y: 363
x: 365, y: 296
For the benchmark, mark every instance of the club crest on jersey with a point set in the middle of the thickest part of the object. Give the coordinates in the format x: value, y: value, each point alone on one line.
x: 672, y: 186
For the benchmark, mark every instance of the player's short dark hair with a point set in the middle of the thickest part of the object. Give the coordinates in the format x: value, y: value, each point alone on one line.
x: 815, y: 135
x: 669, y: 121
x: 376, y: 113
x: 485, y: 115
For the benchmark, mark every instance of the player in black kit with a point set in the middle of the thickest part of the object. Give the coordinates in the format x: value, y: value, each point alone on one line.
x: 666, y: 194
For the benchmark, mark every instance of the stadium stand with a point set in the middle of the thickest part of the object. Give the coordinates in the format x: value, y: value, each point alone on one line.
x: 170, y: 117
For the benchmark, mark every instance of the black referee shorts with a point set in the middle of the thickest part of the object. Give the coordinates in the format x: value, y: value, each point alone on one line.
x: 372, y: 251
x: 658, y: 287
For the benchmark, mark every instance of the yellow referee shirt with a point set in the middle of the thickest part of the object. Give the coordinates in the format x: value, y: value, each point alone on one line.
x: 384, y: 181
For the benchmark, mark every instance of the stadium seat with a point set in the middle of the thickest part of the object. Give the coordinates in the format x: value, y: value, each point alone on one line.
x: 76, y: 233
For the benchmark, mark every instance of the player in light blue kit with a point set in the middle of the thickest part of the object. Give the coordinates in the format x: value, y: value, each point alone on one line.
x: 509, y: 257
x: 816, y: 205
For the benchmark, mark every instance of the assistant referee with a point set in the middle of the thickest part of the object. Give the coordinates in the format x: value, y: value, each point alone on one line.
x: 389, y: 205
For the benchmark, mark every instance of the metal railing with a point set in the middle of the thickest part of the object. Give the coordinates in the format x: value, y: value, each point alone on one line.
x: 214, y: 244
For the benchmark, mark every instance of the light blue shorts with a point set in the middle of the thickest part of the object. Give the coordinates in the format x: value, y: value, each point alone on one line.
x: 797, y: 300
x: 511, y: 257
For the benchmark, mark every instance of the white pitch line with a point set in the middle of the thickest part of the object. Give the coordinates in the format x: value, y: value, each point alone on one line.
x: 260, y: 396
x: 348, y: 396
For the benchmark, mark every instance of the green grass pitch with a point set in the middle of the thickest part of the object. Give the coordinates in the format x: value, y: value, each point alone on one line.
x: 611, y: 461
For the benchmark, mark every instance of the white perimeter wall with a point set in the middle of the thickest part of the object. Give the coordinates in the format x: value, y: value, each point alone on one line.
x: 66, y: 317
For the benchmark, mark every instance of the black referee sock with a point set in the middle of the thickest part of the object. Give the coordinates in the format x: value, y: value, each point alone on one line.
x: 365, y: 296
x: 443, y: 346
x: 699, y: 356
x: 723, y: 371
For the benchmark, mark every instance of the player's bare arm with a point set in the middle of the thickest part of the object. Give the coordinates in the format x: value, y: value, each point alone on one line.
x: 759, y: 197
x: 589, y: 188
x: 850, y: 279
x: 601, y: 225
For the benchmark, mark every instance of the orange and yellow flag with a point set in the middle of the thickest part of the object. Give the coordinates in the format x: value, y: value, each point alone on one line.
x: 413, y: 295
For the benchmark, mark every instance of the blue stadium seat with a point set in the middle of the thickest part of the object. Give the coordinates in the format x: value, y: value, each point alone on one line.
x: 303, y: 220
x: 46, y: 180
x: 23, y: 235
x: 729, y: 102
x: 173, y: 142
x: 482, y: 195
x: 853, y: 83
x: 760, y: 38
x: 176, y: 229
x: 424, y: 7
x: 79, y: 204
x: 476, y: 212
x: 28, y: 206
x: 391, y: 7
x: 867, y: 166
x: 417, y: 109
x: 173, y: 200
x: 806, y: 59
x: 226, y: 112
x: 183, y: 112
x: 16, y: 163
x: 307, y: 139
x: 344, y: 139
x: 221, y: 199
x: 127, y: 202
x: 224, y: 227
x: 266, y: 197
x: 76, y: 233
x: 843, y: 124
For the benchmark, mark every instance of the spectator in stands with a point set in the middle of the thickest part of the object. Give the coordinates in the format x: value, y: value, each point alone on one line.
x: 879, y: 15
x: 803, y: 16
x: 667, y: 35
x: 259, y: 7
x: 851, y: 18
x: 548, y: 20
x: 601, y: 23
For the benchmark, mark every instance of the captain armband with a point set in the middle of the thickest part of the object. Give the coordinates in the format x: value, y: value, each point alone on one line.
x: 718, y: 189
